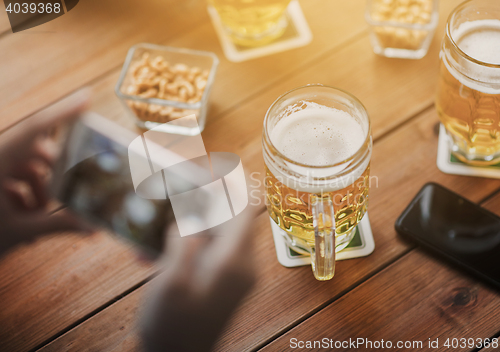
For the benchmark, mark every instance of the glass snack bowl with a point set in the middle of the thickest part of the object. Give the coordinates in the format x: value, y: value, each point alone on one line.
x: 160, y: 84
x: 402, y: 28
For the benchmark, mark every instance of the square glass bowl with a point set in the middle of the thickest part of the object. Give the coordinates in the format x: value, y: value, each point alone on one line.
x: 146, y: 99
x: 401, y: 28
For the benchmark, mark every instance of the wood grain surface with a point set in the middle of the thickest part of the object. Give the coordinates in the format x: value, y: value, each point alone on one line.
x: 415, y: 299
x: 59, y: 280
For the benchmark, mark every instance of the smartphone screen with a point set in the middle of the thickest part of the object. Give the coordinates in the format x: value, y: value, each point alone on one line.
x: 456, y: 228
x: 95, y: 182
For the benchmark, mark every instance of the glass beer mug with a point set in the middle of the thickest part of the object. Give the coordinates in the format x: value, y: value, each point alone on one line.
x: 468, y: 94
x: 317, y: 147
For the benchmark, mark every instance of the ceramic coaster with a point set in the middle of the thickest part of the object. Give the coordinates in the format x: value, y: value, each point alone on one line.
x: 361, y: 245
x: 449, y: 164
x: 297, y: 34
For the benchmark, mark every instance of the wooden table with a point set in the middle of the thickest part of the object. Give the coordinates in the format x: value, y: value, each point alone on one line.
x: 68, y: 293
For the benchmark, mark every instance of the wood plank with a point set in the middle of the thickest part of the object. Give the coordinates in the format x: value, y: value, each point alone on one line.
x: 97, y: 337
x: 415, y: 299
x: 458, y: 305
x: 101, y: 46
x: 403, y: 163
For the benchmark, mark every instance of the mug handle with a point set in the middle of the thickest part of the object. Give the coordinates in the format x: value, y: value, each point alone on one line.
x: 323, y: 253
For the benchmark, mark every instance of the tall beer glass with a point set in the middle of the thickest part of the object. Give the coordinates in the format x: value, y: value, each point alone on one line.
x: 468, y: 96
x: 252, y: 22
x: 317, y: 147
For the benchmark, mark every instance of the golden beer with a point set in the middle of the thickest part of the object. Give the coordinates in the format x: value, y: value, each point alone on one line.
x: 468, y: 95
x: 317, y: 148
x: 252, y: 22
x: 291, y: 209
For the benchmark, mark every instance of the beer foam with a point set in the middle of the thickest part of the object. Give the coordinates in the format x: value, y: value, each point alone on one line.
x: 480, y: 40
x: 318, y: 135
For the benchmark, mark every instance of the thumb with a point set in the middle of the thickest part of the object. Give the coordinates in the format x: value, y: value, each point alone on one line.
x: 182, y: 254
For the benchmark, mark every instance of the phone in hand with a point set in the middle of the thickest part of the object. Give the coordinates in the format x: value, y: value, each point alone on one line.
x: 93, y: 179
x: 455, y: 229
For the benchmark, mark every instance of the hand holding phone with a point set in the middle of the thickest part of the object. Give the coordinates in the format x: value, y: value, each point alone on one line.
x: 93, y: 179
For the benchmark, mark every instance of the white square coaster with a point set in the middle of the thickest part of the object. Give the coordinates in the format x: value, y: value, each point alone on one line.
x: 297, y: 34
x: 449, y: 164
x: 361, y: 245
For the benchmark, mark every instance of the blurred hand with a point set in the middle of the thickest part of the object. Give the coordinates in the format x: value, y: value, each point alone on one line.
x: 27, y: 156
x: 206, y: 278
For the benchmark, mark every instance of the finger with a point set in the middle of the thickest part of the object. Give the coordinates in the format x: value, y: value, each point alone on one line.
x: 175, y: 245
x: 235, y: 236
x: 46, y: 151
x: 229, y: 255
x: 182, y: 253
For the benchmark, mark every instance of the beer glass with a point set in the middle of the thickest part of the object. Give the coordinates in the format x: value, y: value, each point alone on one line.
x: 468, y: 95
x: 317, y: 147
x: 252, y: 22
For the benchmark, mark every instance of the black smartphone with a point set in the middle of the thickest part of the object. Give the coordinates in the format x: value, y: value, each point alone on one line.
x: 93, y: 178
x: 456, y: 229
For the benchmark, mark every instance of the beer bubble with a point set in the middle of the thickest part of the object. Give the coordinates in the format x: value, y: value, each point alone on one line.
x: 318, y: 135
